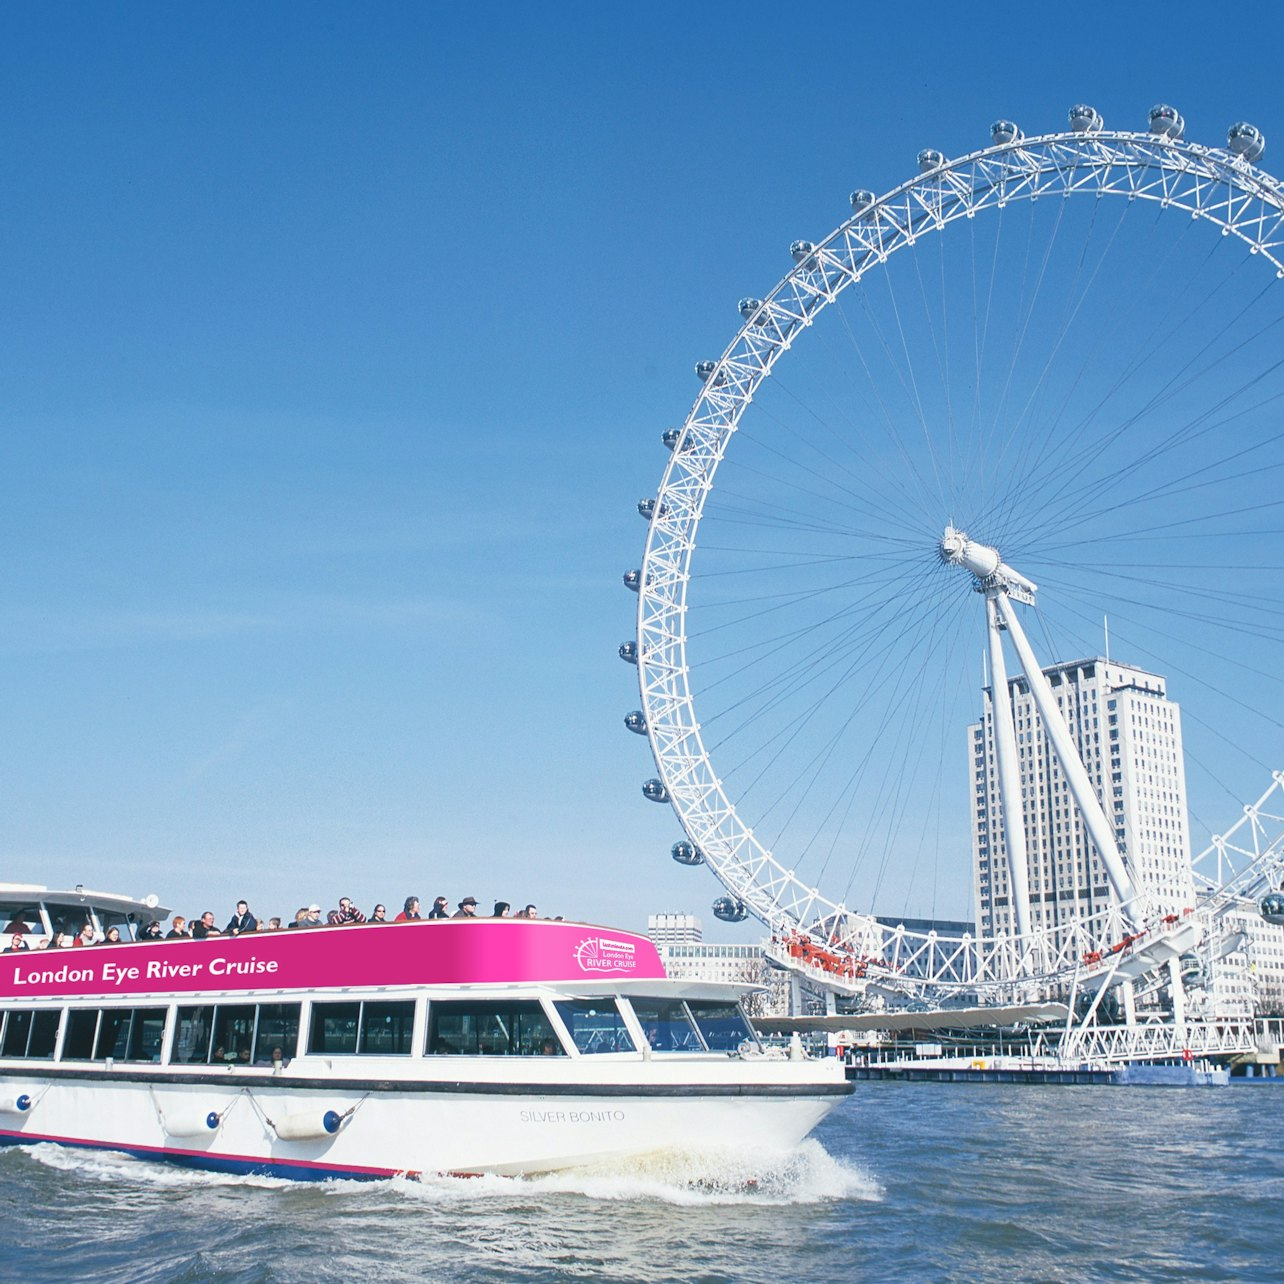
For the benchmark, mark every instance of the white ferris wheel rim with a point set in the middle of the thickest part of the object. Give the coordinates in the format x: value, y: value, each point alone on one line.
x: 1210, y: 184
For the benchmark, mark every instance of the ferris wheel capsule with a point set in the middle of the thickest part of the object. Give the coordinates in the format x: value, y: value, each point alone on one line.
x: 1271, y: 908
x: 801, y: 251
x: 1085, y: 119
x: 1192, y: 970
x: 730, y: 909
x: 1004, y: 131
x: 861, y: 200
x: 633, y: 581
x: 636, y: 722
x: 655, y: 791
x: 705, y: 372
x: 650, y: 508
x: 686, y: 853
x: 628, y: 652
x: 929, y: 159
x: 1246, y: 140
x: 749, y: 308
x: 1166, y: 121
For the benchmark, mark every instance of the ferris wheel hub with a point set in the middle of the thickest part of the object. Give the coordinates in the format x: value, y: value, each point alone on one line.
x: 992, y: 574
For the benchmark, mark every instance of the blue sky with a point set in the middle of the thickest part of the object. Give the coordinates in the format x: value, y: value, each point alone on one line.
x: 339, y: 341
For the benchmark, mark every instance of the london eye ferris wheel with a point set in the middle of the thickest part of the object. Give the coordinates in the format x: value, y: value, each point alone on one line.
x: 1024, y: 408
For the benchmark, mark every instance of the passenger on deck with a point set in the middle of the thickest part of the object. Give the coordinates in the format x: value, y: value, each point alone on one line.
x: 467, y: 908
x: 178, y: 932
x: 502, y: 909
x: 379, y: 914
x: 273, y: 925
x: 152, y: 932
x: 440, y: 908
x: 530, y: 912
x: 17, y: 943
x: 85, y: 936
x: 410, y: 913
x: 301, y: 917
x: 346, y: 915
x: 205, y: 927
x: 241, y: 921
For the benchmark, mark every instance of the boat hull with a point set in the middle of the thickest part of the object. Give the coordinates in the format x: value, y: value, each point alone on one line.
x: 387, y: 1130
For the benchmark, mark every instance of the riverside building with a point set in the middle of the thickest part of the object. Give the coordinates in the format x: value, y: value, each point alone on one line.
x: 687, y: 957
x: 1128, y: 734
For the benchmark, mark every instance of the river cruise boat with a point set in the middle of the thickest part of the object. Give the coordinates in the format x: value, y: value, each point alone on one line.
x: 505, y: 1046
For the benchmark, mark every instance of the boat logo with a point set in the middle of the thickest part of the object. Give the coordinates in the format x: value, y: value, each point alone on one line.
x: 604, y: 954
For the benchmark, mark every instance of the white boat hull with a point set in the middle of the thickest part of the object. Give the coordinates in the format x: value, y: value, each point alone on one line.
x: 419, y: 1128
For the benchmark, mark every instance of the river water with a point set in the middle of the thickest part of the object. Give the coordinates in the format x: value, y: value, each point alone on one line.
x: 902, y: 1181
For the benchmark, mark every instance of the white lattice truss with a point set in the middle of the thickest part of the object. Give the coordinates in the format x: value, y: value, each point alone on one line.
x: 1209, y: 184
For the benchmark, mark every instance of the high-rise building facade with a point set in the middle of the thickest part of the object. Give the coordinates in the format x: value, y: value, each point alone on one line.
x: 674, y: 929
x: 1128, y: 734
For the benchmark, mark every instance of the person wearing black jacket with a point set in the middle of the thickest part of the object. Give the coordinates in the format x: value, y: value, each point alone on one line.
x: 241, y: 921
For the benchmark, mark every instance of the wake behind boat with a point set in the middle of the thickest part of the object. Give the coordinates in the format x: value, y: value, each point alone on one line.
x: 495, y: 1046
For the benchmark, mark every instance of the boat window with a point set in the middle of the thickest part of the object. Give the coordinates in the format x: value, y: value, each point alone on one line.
x: 595, y: 1025
x: 78, y: 1043
x: 44, y: 1034
x: 146, y: 1035
x: 17, y: 1028
x: 278, y: 1028
x: 381, y: 1029
x: 233, y: 1034
x: 723, y: 1025
x: 334, y: 1028
x: 29, y: 1034
x: 192, y: 1035
x: 386, y: 1028
x: 667, y: 1025
x: 116, y: 918
x: 113, y: 1034
x: 495, y: 1029
x: 21, y: 916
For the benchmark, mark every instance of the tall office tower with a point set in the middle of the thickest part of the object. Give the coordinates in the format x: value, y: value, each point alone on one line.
x: 674, y: 929
x: 1129, y: 735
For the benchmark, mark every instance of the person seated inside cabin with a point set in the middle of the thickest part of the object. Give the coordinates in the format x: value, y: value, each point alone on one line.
x: 241, y: 921
x: 152, y: 932
x: 410, y: 911
x: 85, y: 936
x: 178, y: 931
x: 379, y: 914
x: 243, y: 1057
x: 17, y: 943
x: 346, y: 915
x: 61, y: 940
x: 205, y: 927
x: 16, y: 924
x: 279, y: 1059
x: 112, y: 937
x: 467, y: 908
x: 440, y: 908
x: 502, y: 909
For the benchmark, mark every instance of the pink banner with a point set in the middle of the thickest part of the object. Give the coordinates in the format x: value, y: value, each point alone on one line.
x: 442, y: 952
